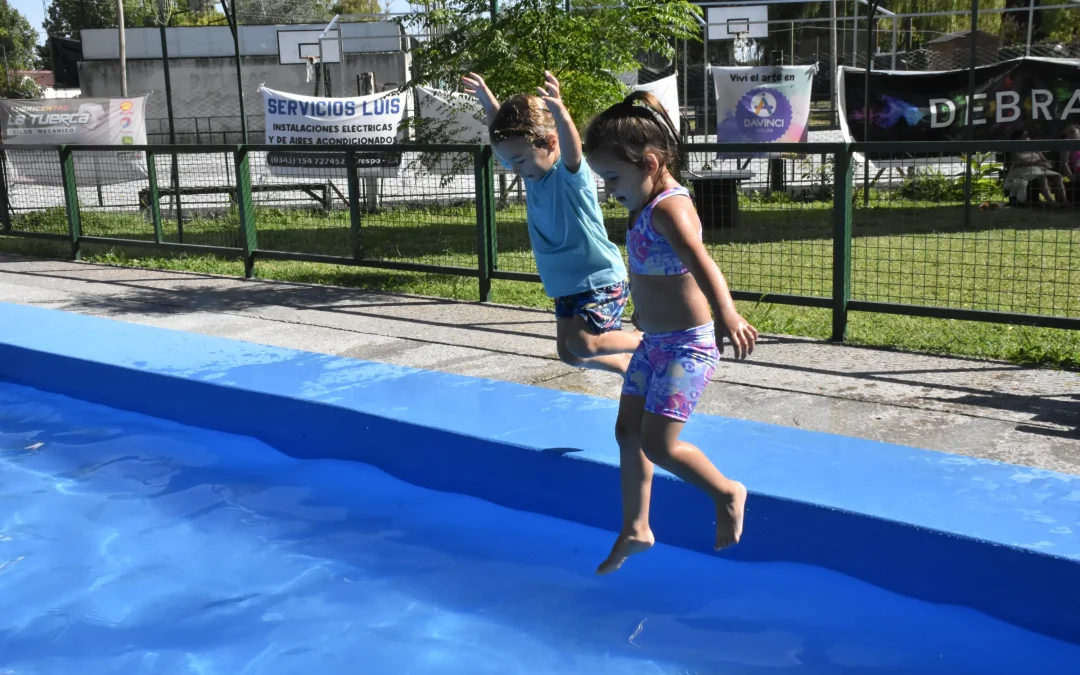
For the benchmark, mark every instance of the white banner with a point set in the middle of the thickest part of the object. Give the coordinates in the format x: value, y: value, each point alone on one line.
x: 451, y: 117
x: 454, y: 117
x: 762, y: 104
x: 82, y: 121
x: 667, y: 90
x: 362, y: 123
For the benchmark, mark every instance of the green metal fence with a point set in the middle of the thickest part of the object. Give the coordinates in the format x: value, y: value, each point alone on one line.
x: 920, y: 229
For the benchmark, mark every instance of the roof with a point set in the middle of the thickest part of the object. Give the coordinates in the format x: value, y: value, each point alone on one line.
x: 44, y: 78
x: 956, y: 36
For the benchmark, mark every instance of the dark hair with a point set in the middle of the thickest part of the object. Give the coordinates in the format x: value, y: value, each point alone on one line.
x: 637, y: 125
x: 522, y: 116
x: 1018, y: 134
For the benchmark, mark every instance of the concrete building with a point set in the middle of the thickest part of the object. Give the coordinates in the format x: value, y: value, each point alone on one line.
x: 202, y: 70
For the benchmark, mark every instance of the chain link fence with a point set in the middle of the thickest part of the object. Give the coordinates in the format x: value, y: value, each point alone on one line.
x: 1014, y: 247
x: 827, y: 225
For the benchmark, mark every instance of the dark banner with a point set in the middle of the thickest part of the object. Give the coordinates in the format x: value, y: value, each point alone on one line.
x: 66, y: 55
x: 1041, y: 96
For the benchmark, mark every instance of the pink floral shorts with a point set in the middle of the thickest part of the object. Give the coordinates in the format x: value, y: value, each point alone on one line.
x: 671, y: 370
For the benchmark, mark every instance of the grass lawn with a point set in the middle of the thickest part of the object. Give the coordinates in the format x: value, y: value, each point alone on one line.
x: 908, y: 252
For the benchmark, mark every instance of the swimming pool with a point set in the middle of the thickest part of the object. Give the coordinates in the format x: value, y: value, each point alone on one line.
x: 130, y: 544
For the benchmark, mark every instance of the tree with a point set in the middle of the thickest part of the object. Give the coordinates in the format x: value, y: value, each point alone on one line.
x: 17, y: 41
x: 17, y: 38
x: 1061, y: 25
x: 67, y: 18
x: 586, y: 48
x: 356, y: 7
x: 254, y: 12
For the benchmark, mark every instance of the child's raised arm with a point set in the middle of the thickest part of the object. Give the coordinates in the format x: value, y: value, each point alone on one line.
x: 474, y: 84
x: 680, y: 226
x: 569, y: 140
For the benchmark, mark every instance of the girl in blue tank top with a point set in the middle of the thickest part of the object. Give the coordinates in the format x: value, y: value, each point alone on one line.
x: 677, y: 291
x: 582, y: 270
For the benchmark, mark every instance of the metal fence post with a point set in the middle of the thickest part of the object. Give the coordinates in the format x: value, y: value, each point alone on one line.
x: 71, y: 201
x: 841, y: 273
x: 355, y: 215
x: 230, y: 17
x: 485, y: 218
x: 154, y: 197
x: 172, y: 135
x: 5, y: 205
x: 246, y: 210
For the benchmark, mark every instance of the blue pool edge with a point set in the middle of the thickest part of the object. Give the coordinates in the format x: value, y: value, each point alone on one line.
x: 938, y: 527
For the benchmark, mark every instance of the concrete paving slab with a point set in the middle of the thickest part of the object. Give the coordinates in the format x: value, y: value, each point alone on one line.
x: 979, y: 408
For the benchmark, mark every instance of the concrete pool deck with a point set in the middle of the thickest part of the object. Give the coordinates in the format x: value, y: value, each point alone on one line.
x: 983, y: 409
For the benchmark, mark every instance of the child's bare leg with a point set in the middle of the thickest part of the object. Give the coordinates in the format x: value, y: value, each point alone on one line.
x: 1059, y: 190
x: 660, y: 441
x: 1044, y: 188
x: 635, y: 476
x: 579, y: 347
x: 587, y: 345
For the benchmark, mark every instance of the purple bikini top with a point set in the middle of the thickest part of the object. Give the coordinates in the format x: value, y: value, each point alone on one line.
x: 649, y: 252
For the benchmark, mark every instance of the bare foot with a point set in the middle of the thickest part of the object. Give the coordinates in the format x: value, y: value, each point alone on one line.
x: 729, y: 518
x: 625, y: 546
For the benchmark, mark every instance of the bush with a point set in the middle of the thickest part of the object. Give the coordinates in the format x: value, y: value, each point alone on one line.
x: 15, y: 87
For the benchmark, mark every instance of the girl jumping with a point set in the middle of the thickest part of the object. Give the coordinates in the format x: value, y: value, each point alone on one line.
x: 675, y: 283
x: 579, y: 266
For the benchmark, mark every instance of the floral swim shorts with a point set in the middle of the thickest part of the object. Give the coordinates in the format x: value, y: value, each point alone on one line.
x: 671, y: 370
x: 602, y: 308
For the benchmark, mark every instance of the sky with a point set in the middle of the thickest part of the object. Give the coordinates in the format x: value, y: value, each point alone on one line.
x: 34, y: 11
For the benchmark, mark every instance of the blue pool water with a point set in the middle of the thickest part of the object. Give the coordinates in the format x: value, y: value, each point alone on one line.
x: 134, y: 545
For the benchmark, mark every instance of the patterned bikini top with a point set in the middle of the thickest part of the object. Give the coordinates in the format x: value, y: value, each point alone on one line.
x: 649, y: 252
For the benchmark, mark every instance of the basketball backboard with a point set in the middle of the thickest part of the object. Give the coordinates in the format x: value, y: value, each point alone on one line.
x: 739, y: 21
x: 295, y: 46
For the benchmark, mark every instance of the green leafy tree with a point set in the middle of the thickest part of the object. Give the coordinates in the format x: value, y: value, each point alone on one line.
x: 925, y: 28
x: 67, y: 18
x: 18, y: 40
x: 1061, y: 25
x: 21, y: 87
x: 586, y: 48
x: 252, y: 12
x: 356, y: 7
x: 17, y: 37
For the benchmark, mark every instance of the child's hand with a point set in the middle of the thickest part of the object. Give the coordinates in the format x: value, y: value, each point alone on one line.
x: 550, y: 93
x: 474, y: 84
x: 569, y: 141
x: 743, y: 336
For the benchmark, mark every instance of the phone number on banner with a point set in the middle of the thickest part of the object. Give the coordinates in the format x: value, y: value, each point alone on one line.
x: 333, y: 160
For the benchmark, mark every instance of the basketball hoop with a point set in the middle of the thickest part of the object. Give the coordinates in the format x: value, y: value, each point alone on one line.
x: 311, y: 61
x: 739, y: 44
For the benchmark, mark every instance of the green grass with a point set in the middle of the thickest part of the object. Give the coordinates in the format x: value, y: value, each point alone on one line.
x: 903, y: 251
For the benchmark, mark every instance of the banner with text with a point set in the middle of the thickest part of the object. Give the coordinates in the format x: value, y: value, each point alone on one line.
x: 80, y: 121
x: 364, y: 123
x: 762, y: 104
x: 667, y: 91
x: 1041, y: 96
